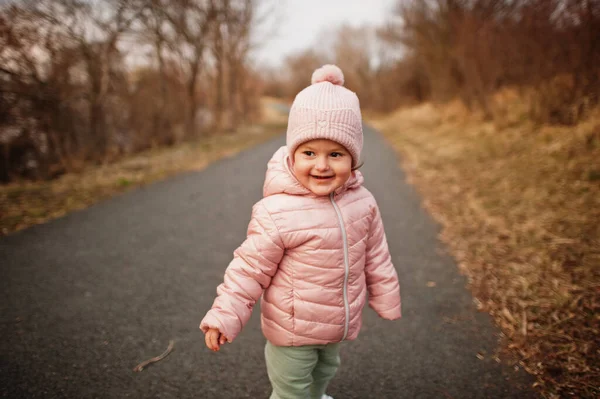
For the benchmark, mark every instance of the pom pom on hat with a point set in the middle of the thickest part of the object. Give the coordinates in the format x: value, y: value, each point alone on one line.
x: 328, y: 73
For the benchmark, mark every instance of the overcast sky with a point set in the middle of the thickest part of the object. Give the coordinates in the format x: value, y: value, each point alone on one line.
x: 300, y: 22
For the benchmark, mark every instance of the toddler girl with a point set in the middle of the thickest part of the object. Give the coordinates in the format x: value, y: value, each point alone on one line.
x: 315, y: 247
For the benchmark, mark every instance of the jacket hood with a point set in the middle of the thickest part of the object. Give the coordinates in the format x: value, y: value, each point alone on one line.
x: 281, y: 180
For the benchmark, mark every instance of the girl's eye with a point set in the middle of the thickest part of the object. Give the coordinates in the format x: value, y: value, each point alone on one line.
x: 336, y: 154
x: 309, y: 153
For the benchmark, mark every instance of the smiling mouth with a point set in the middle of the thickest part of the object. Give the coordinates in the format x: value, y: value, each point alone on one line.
x: 321, y: 177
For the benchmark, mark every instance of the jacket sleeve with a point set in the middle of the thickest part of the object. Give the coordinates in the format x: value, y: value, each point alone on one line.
x: 249, y: 273
x: 382, y: 279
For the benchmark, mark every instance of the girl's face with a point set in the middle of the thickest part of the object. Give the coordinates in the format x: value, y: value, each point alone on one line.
x: 322, y: 166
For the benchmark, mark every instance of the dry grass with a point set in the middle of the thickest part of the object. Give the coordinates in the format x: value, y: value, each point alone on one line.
x: 520, y: 210
x: 27, y: 203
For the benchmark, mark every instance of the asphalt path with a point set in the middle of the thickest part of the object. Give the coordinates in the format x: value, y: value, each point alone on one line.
x: 87, y: 297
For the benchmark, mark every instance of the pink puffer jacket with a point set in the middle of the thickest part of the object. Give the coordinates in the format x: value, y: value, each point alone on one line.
x: 313, y: 272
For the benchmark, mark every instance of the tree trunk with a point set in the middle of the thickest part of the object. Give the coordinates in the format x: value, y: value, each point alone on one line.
x: 192, y: 100
x: 234, y: 93
x: 220, y: 81
x: 159, y: 118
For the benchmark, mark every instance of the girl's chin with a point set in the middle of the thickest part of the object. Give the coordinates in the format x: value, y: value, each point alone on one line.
x: 322, y: 190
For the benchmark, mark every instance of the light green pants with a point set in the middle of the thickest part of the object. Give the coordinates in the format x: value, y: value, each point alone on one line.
x: 301, y: 372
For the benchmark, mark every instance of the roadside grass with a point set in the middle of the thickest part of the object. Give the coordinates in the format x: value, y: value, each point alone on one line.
x: 519, y: 206
x: 24, y: 204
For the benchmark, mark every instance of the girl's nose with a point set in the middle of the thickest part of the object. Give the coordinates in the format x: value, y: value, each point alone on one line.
x: 322, y: 164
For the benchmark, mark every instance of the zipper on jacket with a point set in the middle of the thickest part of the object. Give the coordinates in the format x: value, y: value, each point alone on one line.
x: 346, y: 265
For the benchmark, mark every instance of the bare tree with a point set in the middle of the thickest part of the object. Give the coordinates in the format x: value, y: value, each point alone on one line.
x: 241, y: 21
x: 299, y: 68
x: 192, y: 21
x: 95, y: 28
x: 68, y: 96
x: 20, y: 79
x: 36, y: 87
x: 354, y: 51
x: 470, y: 48
x: 155, y: 30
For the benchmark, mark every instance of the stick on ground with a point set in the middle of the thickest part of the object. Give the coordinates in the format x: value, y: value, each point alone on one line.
x: 145, y: 363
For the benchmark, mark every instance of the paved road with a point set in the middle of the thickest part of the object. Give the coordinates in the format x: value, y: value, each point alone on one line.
x: 87, y: 297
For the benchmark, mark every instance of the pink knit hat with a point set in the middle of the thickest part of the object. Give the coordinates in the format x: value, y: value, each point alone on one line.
x: 326, y: 110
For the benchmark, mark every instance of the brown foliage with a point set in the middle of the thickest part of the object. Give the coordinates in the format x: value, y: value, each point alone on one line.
x: 157, y: 110
x: 299, y: 68
x: 472, y: 48
x: 69, y: 95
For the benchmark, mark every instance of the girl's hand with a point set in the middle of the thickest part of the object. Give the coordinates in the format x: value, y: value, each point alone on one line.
x: 214, y: 339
